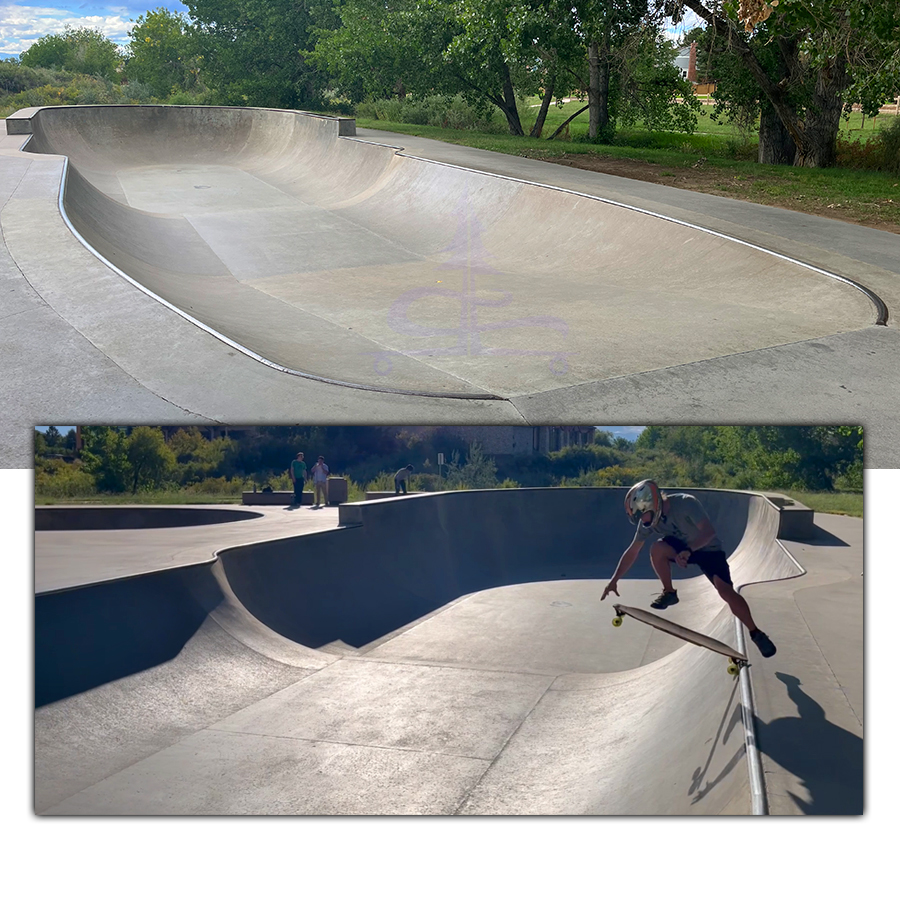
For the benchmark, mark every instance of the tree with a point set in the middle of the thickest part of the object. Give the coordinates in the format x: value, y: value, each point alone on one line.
x: 105, y: 456
x: 477, y: 473
x: 84, y: 50
x: 162, y: 53
x: 254, y: 52
x: 808, y: 59
x: 623, y: 63
x: 149, y: 458
x: 429, y: 47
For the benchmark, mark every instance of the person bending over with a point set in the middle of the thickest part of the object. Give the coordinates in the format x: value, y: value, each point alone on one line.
x: 682, y: 534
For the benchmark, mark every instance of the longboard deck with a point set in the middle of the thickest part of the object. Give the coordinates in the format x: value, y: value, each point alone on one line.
x: 679, y: 631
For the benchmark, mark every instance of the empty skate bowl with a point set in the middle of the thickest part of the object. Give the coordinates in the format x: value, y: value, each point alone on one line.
x: 413, y: 597
x: 346, y: 260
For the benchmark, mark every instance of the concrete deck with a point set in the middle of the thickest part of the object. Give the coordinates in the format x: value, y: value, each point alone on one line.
x: 434, y: 284
x: 478, y: 674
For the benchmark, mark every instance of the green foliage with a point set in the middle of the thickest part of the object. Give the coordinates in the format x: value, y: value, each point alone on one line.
x: 476, y: 473
x: 798, y: 64
x: 105, y: 456
x: 220, y: 487
x: 650, y: 87
x: 437, y: 110
x: 163, y: 54
x: 760, y: 457
x: 889, y: 145
x: 841, y: 504
x: 60, y: 480
x: 255, y: 52
x: 61, y: 88
x: 128, y: 461
x: 84, y: 50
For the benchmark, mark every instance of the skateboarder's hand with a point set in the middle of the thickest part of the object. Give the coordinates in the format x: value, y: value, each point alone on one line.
x: 682, y: 558
x: 611, y: 588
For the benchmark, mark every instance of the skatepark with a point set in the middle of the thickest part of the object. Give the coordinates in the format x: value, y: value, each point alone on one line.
x: 437, y: 654
x: 218, y: 264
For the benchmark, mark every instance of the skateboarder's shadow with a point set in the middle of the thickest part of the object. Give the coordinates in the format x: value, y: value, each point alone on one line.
x: 828, y: 759
x: 732, y: 717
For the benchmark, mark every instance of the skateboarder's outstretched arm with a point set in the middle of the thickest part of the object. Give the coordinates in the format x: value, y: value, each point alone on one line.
x: 625, y: 563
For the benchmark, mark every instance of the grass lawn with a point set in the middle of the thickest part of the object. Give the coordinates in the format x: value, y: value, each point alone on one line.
x: 841, y: 504
x: 717, y: 159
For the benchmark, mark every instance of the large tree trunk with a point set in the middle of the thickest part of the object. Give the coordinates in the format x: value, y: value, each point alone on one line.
x: 776, y: 146
x: 823, y: 117
x: 546, y: 100
x: 509, y: 107
x: 598, y: 87
x: 814, y: 131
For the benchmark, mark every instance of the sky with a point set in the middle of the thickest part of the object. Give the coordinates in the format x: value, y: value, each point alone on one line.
x: 23, y: 22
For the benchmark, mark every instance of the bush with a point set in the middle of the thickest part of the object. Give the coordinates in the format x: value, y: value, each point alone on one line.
x: 222, y: 487
x: 188, y: 98
x: 889, y: 140
x: 135, y: 92
x: 436, y: 110
x: 851, y: 480
x: 881, y: 153
x: 56, y: 478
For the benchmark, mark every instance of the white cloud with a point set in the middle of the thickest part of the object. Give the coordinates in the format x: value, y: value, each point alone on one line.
x: 21, y: 26
x: 675, y: 33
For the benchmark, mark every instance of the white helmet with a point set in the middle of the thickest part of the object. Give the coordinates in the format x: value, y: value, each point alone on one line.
x: 643, y: 497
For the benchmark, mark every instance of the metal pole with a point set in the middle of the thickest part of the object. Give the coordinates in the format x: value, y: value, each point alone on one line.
x: 758, y: 800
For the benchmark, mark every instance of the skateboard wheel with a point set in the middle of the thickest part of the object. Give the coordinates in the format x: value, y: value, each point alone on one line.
x: 617, y: 621
x: 733, y: 669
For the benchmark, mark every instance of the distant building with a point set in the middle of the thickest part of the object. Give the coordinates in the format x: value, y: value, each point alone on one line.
x: 686, y: 62
x: 517, y: 440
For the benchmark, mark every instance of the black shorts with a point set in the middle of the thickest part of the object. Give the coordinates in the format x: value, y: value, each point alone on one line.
x: 711, y: 562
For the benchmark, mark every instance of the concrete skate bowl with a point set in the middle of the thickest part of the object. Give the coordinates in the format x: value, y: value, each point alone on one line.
x: 105, y: 518
x: 661, y: 737
x: 348, y: 261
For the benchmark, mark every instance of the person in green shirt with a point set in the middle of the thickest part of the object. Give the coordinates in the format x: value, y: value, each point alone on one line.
x: 298, y: 476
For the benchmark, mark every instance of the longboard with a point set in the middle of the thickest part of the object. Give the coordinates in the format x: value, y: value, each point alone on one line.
x: 737, y: 660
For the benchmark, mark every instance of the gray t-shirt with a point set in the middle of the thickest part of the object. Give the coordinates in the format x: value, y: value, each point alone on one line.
x: 683, y: 521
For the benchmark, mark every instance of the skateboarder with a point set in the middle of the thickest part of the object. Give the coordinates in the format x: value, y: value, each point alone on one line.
x: 298, y: 476
x: 681, y: 533
x: 401, y: 480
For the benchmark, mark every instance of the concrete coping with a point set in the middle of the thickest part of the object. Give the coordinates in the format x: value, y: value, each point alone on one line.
x: 19, y: 122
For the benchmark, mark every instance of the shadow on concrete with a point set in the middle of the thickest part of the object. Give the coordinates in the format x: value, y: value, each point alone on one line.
x: 88, y: 636
x: 822, y: 538
x: 730, y: 720
x: 826, y: 758
x: 106, y: 518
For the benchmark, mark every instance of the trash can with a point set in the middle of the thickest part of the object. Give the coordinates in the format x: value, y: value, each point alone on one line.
x: 337, y: 491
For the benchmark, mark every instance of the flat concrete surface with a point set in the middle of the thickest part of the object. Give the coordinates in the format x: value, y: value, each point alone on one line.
x: 321, y: 674
x: 518, y: 284
x: 71, y: 558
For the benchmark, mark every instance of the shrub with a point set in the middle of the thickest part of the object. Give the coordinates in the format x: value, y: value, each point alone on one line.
x: 436, y: 110
x: 55, y: 478
x: 881, y: 153
x: 889, y: 140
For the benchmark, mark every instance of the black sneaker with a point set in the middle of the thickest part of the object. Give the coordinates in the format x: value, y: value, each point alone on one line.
x: 666, y: 598
x: 762, y: 641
